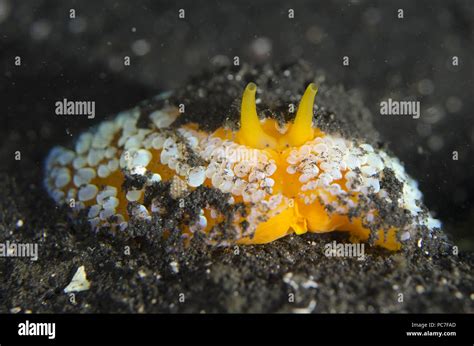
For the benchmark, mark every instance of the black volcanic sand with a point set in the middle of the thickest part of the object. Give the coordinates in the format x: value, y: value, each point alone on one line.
x: 157, y: 273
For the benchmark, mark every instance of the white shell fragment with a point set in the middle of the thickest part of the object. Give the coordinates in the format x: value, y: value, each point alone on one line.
x: 79, y: 282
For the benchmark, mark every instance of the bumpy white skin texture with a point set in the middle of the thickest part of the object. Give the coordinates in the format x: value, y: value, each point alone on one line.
x: 230, y: 167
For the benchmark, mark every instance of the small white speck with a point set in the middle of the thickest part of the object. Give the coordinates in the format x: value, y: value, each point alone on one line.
x: 420, y: 289
x: 174, y: 267
x: 15, y: 310
x: 141, y: 47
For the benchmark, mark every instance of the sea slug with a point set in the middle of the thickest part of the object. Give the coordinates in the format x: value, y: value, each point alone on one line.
x: 276, y: 178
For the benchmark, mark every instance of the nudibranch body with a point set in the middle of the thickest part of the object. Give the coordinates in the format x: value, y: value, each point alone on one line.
x: 278, y: 178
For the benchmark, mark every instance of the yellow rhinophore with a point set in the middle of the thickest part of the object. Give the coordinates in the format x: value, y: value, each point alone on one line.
x: 302, y: 129
x: 251, y: 132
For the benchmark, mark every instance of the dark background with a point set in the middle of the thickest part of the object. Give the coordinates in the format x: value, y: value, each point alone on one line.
x: 82, y: 59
